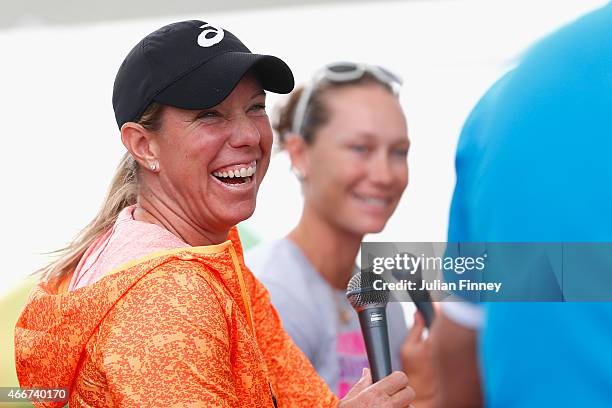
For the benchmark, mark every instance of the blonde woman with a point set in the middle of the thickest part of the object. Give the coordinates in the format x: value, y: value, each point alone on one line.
x: 152, y: 304
x: 347, y: 138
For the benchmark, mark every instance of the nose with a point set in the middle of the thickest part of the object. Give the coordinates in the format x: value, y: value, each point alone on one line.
x: 380, y: 171
x: 244, y: 132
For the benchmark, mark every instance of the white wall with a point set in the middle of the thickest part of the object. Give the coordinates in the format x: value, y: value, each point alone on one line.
x: 60, y: 143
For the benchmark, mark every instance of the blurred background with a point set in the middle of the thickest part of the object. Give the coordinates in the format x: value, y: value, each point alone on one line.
x: 60, y: 143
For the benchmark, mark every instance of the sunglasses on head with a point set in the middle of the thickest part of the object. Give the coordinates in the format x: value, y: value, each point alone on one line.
x: 341, y: 72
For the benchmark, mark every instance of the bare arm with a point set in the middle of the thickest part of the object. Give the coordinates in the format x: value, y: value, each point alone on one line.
x: 455, y: 358
x: 417, y: 363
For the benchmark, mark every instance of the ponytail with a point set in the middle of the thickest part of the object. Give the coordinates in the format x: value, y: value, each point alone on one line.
x: 123, y: 192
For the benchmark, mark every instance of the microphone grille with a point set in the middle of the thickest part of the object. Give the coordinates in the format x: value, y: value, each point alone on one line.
x: 360, y: 291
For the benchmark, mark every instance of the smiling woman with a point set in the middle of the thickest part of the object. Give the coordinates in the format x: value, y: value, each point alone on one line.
x: 347, y: 138
x: 183, y: 194
x: 152, y: 304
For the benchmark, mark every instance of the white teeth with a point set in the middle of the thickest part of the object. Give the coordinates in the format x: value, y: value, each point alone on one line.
x: 375, y: 201
x: 243, y: 172
x: 379, y: 202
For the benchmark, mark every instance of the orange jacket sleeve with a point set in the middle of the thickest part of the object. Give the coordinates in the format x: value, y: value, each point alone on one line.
x: 167, y: 344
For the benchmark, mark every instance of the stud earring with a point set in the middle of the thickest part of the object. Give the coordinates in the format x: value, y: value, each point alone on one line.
x: 153, y: 166
x: 297, y: 173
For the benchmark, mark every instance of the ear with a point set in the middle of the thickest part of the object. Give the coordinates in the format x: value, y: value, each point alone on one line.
x: 141, y: 144
x: 298, y: 153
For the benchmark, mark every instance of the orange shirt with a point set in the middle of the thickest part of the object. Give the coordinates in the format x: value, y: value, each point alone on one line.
x: 190, y: 327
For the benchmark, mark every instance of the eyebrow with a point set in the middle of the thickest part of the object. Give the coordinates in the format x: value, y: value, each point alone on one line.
x: 258, y: 93
x: 368, y: 136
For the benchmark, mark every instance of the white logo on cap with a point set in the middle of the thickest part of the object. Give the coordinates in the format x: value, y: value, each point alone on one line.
x: 210, y: 36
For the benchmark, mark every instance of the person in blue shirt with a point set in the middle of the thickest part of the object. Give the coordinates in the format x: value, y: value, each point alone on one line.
x: 534, y: 165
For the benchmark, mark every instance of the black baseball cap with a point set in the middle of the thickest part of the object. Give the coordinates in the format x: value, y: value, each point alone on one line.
x: 190, y: 65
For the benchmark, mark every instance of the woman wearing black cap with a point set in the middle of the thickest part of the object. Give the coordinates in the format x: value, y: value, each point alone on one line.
x: 151, y: 304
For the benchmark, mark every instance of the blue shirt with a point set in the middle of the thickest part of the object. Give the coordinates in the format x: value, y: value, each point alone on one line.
x: 534, y: 164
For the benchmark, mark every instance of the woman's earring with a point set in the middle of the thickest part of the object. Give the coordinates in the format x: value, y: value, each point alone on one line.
x: 298, y: 174
x: 153, y: 166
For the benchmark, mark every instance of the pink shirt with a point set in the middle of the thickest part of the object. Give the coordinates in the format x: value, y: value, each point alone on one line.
x: 127, y: 240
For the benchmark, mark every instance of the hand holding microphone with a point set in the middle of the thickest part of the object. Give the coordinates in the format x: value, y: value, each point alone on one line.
x: 392, y: 391
x: 382, y: 388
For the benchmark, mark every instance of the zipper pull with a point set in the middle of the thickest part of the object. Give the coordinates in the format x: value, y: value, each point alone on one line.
x: 273, y: 396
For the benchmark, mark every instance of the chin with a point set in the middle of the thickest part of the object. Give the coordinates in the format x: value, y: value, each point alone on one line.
x: 365, y: 220
x: 238, y: 214
x: 373, y: 229
x: 365, y: 227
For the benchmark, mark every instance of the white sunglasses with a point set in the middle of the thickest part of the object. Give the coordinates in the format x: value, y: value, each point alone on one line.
x: 340, y: 72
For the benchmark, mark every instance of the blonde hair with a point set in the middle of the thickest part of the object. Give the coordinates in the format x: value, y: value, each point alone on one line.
x: 123, y: 192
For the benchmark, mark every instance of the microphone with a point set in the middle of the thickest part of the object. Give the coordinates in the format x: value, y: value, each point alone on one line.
x: 371, y: 305
x: 420, y: 297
